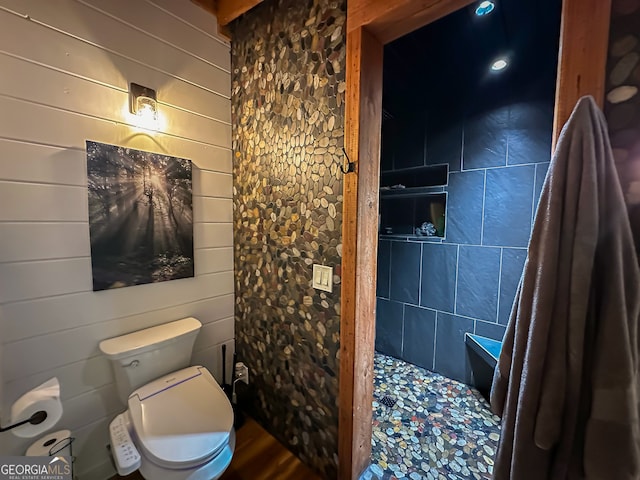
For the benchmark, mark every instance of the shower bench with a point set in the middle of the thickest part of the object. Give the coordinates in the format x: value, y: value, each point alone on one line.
x: 483, y: 357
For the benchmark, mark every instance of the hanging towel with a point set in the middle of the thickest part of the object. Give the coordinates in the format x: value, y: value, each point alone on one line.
x: 566, y: 384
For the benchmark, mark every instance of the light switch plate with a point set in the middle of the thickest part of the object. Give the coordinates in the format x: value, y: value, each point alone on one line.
x: 323, y: 278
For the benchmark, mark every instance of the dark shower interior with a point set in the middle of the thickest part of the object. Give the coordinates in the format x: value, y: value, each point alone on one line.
x: 466, y: 149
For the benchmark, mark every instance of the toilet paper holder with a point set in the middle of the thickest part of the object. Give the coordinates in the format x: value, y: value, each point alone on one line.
x: 35, y: 419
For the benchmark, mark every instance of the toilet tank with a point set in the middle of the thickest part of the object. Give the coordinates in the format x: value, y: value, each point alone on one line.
x: 140, y: 357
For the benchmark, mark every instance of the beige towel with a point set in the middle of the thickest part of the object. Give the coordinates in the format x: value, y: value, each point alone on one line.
x: 566, y: 384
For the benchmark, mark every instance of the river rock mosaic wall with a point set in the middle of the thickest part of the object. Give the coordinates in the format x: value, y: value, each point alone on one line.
x: 288, y: 83
x: 622, y: 106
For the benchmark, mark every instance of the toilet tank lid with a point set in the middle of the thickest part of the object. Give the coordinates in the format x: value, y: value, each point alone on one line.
x: 137, y: 342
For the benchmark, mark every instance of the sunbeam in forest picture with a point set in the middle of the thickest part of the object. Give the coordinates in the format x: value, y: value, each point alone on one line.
x: 140, y: 216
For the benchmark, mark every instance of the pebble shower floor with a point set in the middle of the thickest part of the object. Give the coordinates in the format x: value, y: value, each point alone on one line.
x: 437, y: 429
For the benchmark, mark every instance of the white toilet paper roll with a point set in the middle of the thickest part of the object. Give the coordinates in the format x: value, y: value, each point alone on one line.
x: 44, y: 397
x: 56, y: 443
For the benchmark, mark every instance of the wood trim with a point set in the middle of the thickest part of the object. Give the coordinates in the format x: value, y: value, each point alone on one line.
x: 228, y: 10
x: 346, y: 387
x: 208, y: 5
x: 388, y: 20
x: 363, y: 106
x: 582, y: 58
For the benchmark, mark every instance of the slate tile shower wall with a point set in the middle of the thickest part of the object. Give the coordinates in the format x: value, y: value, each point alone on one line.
x: 622, y: 106
x: 430, y: 293
x: 288, y: 83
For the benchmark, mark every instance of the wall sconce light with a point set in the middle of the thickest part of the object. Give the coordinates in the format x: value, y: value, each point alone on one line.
x: 143, y: 104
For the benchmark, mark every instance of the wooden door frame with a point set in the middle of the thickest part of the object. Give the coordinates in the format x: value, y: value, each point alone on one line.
x: 370, y: 24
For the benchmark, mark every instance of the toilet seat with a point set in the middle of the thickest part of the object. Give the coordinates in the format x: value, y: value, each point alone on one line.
x: 181, y: 420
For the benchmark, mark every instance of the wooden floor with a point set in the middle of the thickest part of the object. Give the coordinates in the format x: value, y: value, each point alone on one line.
x: 258, y: 456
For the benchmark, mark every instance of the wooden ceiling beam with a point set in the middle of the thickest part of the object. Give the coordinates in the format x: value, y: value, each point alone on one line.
x: 226, y: 11
x: 208, y: 5
x: 388, y: 20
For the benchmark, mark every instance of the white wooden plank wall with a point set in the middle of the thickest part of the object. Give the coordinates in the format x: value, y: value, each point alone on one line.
x: 65, y: 68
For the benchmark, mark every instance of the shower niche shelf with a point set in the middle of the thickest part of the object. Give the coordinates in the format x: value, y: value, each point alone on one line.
x: 420, y: 199
x: 414, y: 181
x: 411, y: 192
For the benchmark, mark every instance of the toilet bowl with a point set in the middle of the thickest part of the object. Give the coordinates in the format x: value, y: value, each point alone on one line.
x: 178, y: 426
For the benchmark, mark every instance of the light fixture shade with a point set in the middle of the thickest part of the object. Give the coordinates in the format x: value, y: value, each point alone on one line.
x: 142, y: 102
x: 146, y: 107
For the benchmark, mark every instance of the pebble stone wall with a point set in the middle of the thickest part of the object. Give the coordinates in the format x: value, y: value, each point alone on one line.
x: 288, y: 84
x: 622, y: 106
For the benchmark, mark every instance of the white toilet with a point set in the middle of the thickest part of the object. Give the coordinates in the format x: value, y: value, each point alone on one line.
x: 179, y: 424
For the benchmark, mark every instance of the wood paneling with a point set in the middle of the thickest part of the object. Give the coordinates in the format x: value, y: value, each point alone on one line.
x: 211, y: 358
x: 214, y: 333
x: 97, y: 368
x: 116, y: 70
x: 42, y: 164
x: 26, y: 241
x: 389, y: 20
x: 115, y: 39
x: 210, y: 209
x: 584, y: 38
x: 93, y: 464
x: 213, y: 260
x: 209, y: 235
x: 31, y: 202
x: 27, y: 280
x: 33, y: 123
x: 66, y: 69
x: 98, y: 402
x: 94, y: 100
x: 193, y: 12
x: 67, y: 346
x: 359, y: 233
x: 26, y: 317
x: 163, y: 27
x: 212, y: 184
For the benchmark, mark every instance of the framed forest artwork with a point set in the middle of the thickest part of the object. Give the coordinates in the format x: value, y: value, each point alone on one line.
x: 140, y: 216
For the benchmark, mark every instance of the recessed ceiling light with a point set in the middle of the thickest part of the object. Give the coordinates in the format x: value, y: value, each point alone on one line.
x: 499, y: 65
x: 485, y: 8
